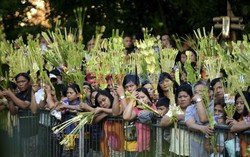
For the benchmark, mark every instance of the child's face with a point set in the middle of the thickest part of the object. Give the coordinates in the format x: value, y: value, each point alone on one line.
x: 219, y: 111
x: 162, y: 110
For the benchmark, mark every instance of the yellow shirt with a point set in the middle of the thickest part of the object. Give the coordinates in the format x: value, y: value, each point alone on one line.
x: 130, y: 145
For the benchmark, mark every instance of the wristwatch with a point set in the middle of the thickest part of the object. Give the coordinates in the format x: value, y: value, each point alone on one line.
x: 198, y: 100
x: 122, y: 97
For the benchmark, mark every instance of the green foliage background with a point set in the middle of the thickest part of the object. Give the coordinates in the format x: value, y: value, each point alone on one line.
x: 164, y: 16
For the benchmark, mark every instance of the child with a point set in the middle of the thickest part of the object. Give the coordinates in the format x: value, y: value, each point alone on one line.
x: 219, y: 118
x: 69, y: 107
x: 162, y: 134
x: 162, y: 105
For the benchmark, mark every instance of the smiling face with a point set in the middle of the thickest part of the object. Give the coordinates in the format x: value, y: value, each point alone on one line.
x: 104, y: 101
x: 22, y: 83
x: 183, y: 99
x: 239, y: 105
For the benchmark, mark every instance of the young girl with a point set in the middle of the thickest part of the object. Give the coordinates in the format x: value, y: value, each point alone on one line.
x: 131, y: 112
x: 69, y: 107
x: 219, y: 118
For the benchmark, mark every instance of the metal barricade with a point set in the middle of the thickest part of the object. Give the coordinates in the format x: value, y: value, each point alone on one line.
x: 26, y: 135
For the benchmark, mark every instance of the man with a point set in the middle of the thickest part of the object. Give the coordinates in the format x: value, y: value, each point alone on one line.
x: 195, y: 117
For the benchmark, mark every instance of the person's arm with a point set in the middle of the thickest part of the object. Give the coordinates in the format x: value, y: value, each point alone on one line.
x: 99, y: 117
x: 165, y: 121
x: 70, y: 107
x: 86, y: 107
x: 240, y: 126
x: 128, y: 113
x: 103, y: 110
x: 13, y: 109
x: 33, y: 105
x: 116, y: 108
x: 200, y: 109
x: 20, y: 103
x: 50, y: 102
x: 205, y: 129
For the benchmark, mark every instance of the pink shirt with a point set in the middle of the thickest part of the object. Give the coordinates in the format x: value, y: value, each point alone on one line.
x: 143, y: 133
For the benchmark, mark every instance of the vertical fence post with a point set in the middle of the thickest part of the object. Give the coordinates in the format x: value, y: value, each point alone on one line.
x: 81, y: 143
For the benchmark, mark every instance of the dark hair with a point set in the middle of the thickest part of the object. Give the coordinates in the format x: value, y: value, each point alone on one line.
x: 91, y: 96
x: 163, y: 102
x: 88, y: 84
x: 185, y: 87
x: 145, y: 91
x: 199, y: 83
x: 25, y: 75
x: 219, y: 101
x: 5, y: 68
x: 131, y: 78
x: 161, y: 78
x: 105, y: 93
x: 223, y: 72
x: 214, y: 81
x: 75, y: 87
x: 245, y: 112
x: 145, y: 82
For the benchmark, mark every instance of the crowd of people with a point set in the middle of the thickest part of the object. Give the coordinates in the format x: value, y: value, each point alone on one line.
x: 173, y: 101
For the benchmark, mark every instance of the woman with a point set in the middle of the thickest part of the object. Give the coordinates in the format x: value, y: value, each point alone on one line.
x: 149, y: 87
x: 131, y: 112
x: 183, y: 98
x: 164, y: 84
x: 22, y: 99
x: 240, y: 115
x: 112, y: 141
x: 130, y: 84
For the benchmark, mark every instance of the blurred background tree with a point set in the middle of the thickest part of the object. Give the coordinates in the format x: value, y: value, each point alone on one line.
x: 21, y: 17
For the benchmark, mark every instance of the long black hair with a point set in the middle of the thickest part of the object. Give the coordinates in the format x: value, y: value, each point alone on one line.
x: 161, y: 78
x: 245, y: 112
x: 105, y: 93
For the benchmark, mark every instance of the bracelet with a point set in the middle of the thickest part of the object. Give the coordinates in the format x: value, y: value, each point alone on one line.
x: 122, y: 97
